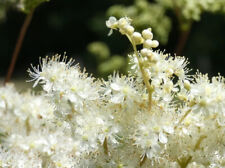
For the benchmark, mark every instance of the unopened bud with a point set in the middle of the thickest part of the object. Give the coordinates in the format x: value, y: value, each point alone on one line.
x: 154, y: 57
x: 112, y: 22
x: 144, y: 52
x: 148, y: 44
x: 149, y: 53
x: 187, y: 85
x: 168, y: 86
x: 129, y: 29
x: 137, y: 38
x: 123, y: 22
x: 169, y: 71
x: 182, y: 97
x: 155, y: 43
x: 147, y: 34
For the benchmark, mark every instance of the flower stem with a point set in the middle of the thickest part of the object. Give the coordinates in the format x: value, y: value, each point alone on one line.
x: 182, y: 40
x: 182, y: 118
x: 105, y: 146
x: 184, y: 163
x: 18, y: 45
x: 143, y: 159
x: 145, y: 78
x: 144, y: 75
x: 184, y: 33
x: 198, y: 143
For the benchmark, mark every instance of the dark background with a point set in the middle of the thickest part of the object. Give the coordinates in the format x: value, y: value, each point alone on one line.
x: 70, y: 25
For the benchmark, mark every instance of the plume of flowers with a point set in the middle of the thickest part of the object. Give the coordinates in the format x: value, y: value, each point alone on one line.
x: 157, y: 116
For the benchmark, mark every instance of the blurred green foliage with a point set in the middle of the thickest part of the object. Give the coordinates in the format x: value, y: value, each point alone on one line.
x: 100, y: 50
x: 143, y: 14
x: 29, y: 5
x: 155, y: 14
x: 193, y: 9
x: 70, y: 26
x: 25, y: 6
x: 114, y: 63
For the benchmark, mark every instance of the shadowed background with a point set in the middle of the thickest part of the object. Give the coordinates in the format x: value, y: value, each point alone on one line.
x: 69, y: 26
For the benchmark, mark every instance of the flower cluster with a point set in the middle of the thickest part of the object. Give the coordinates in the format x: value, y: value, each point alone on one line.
x: 157, y: 116
x: 192, y: 9
x: 145, y: 13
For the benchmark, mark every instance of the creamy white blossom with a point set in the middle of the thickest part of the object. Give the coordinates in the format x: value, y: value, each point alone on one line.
x: 156, y: 116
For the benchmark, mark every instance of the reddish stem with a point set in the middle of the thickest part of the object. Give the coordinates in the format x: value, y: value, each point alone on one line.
x: 183, y: 35
x: 19, y: 43
x: 182, y: 41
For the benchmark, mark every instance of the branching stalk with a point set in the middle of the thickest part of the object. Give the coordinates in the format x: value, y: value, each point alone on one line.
x: 182, y: 118
x: 198, y: 143
x: 144, y: 75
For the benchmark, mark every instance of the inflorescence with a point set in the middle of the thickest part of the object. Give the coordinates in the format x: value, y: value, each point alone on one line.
x: 157, y: 116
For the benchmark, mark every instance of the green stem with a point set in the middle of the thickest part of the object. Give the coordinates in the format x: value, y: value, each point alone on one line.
x: 184, y: 163
x: 145, y: 77
x: 144, y: 74
x: 198, y: 143
x: 182, y: 118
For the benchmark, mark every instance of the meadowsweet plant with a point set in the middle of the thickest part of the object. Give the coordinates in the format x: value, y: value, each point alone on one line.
x: 160, y: 14
x: 157, y: 116
x: 143, y: 14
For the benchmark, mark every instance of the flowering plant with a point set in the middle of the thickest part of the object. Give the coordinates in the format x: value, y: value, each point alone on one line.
x: 156, y: 116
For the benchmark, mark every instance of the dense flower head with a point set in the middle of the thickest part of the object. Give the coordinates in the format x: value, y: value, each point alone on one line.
x: 157, y: 116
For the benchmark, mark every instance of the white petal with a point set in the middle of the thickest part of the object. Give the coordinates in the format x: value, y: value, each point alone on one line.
x: 115, y: 86
x: 110, y: 32
x: 117, y: 98
x: 162, y: 138
x: 168, y: 129
x: 112, y: 20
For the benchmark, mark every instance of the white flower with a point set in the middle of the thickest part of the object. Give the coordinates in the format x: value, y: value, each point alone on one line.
x: 207, y: 96
x: 112, y: 22
x: 123, y: 89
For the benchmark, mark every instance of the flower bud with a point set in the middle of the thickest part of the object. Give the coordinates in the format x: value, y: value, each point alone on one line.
x: 144, y: 52
x: 147, y: 34
x: 137, y: 38
x: 168, y: 86
x: 112, y: 22
x: 155, y: 43
x: 169, y: 71
x: 122, y: 31
x: 148, y: 43
x: 129, y: 29
x: 182, y: 97
x: 123, y: 22
x: 154, y: 57
x: 187, y: 85
x: 149, y: 53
